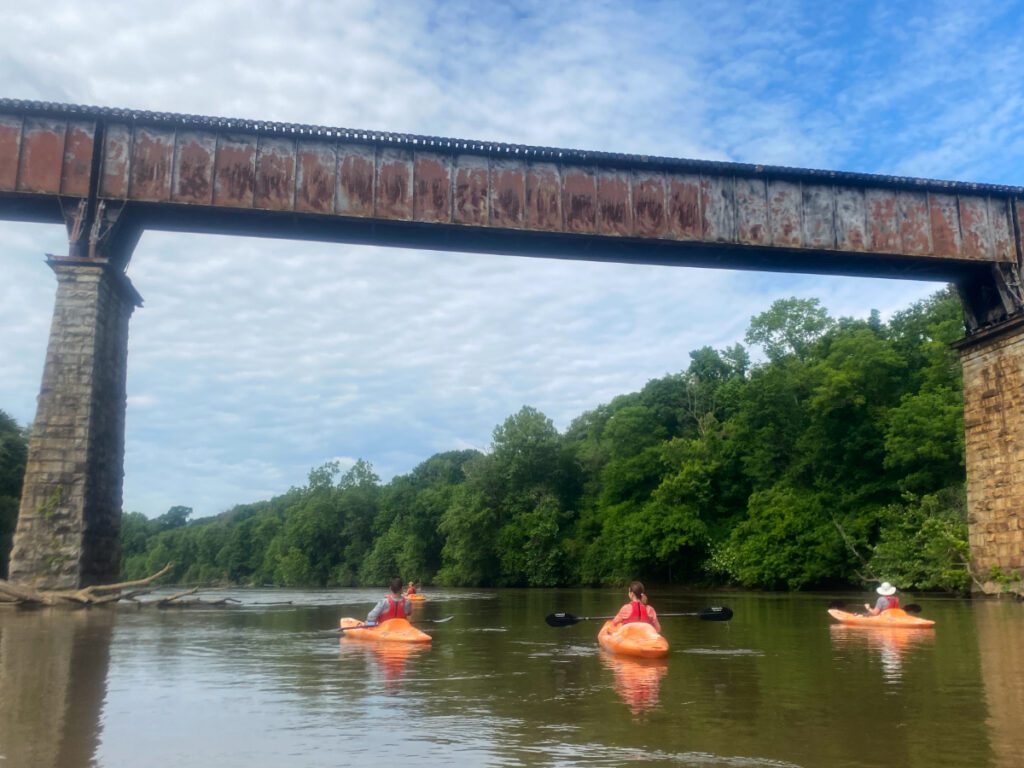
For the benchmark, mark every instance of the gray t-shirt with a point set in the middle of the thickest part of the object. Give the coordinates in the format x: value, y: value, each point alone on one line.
x: 382, y: 606
x: 882, y: 603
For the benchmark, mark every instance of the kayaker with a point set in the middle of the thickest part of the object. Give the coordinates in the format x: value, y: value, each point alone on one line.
x: 886, y: 599
x: 411, y: 590
x: 392, y: 606
x: 637, y: 608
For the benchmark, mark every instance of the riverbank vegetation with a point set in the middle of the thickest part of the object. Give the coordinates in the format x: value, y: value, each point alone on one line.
x: 834, y: 460
x: 13, y: 453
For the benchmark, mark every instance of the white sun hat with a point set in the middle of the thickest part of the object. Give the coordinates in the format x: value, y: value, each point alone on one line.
x: 886, y: 589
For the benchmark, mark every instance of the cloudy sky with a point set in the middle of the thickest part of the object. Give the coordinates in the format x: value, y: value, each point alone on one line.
x: 256, y: 360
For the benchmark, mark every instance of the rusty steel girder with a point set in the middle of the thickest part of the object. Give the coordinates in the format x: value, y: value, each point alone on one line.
x: 114, y: 172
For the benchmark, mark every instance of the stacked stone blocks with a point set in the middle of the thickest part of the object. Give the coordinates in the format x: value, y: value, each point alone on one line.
x: 993, y: 368
x: 68, y: 532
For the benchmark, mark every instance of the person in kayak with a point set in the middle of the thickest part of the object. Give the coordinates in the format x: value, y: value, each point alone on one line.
x: 411, y: 589
x: 886, y: 599
x: 637, y: 608
x: 392, y: 606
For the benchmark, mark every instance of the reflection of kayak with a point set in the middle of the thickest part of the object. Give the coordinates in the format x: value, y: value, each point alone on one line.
x: 389, y: 660
x: 390, y: 631
x: 416, y: 598
x: 637, y: 681
x: 891, y: 617
x: 638, y: 638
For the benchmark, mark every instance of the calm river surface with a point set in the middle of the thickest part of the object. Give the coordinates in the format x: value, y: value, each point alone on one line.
x: 270, y: 685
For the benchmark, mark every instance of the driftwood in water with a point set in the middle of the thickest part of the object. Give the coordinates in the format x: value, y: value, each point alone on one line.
x: 97, y: 594
x: 175, y: 601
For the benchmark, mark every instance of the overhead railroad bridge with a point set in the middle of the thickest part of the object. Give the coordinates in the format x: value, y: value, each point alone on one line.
x: 108, y: 175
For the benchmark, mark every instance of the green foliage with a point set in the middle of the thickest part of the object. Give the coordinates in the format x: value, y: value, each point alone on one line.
x: 787, y: 541
x: 470, y: 526
x: 530, y: 545
x: 789, y: 327
x: 13, y: 453
x: 923, y: 543
x: 778, y: 475
x: 924, y: 440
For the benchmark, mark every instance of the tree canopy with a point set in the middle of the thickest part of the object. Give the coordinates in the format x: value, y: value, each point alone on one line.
x: 837, y: 459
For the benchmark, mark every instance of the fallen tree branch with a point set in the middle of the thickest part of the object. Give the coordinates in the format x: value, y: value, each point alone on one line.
x: 163, y: 602
x: 96, y: 594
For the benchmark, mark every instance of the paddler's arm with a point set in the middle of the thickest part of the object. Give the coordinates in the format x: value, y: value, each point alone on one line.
x: 408, y: 607
x: 371, y: 617
x: 654, y: 618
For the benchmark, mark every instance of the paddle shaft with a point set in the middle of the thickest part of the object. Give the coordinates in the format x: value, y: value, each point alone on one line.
x: 716, y: 613
x: 372, y: 626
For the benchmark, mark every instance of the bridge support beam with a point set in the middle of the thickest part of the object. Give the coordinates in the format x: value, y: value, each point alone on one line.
x: 69, y: 523
x: 993, y: 366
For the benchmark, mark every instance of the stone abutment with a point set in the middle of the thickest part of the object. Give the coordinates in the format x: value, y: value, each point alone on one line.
x: 993, y: 367
x: 69, y: 522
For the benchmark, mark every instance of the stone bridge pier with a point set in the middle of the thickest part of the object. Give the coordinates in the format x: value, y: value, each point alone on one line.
x: 993, y: 367
x: 69, y: 522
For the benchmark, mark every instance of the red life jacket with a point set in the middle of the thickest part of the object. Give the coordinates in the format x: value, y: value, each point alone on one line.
x: 411, y: 591
x: 894, y: 602
x: 639, y: 613
x: 395, y: 610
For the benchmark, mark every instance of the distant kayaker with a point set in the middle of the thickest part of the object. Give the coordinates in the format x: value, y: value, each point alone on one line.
x: 637, y: 608
x: 886, y: 599
x: 411, y: 590
x: 392, y: 606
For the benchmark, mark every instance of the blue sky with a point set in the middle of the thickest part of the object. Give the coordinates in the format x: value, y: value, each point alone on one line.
x: 256, y: 360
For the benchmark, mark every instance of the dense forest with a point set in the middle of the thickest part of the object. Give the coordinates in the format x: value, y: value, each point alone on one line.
x: 835, y: 460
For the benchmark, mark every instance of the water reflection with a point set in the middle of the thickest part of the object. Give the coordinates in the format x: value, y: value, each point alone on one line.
x: 385, y: 663
x: 890, y: 643
x: 1002, y: 666
x: 637, y: 681
x: 259, y: 686
x: 53, y: 670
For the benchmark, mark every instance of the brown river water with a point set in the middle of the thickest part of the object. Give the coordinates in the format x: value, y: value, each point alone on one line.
x: 272, y: 685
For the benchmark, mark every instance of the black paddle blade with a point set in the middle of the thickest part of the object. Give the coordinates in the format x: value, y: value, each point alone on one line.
x: 715, y: 613
x: 560, y: 619
x: 912, y: 608
x: 837, y: 604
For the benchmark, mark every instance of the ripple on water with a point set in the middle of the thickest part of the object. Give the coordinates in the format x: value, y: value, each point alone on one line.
x: 723, y: 651
x: 563, y: 754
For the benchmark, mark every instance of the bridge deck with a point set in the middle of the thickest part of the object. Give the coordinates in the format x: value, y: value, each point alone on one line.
x: 214, y: 174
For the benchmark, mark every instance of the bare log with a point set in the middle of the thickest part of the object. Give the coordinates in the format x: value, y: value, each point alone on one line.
x: 165, y: 601
x: 25, y: 595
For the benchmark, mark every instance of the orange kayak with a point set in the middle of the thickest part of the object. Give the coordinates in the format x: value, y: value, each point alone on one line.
x: 390, y: 631
x: 638, y: 638
x: 416, y: 598
x: 892, y: 617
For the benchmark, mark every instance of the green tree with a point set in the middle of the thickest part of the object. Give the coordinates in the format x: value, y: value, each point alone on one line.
x: 923, y: 543
x: 787, y: 541
x: 789, y: 327
x: 13, y: 454
x: 470, y: 525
